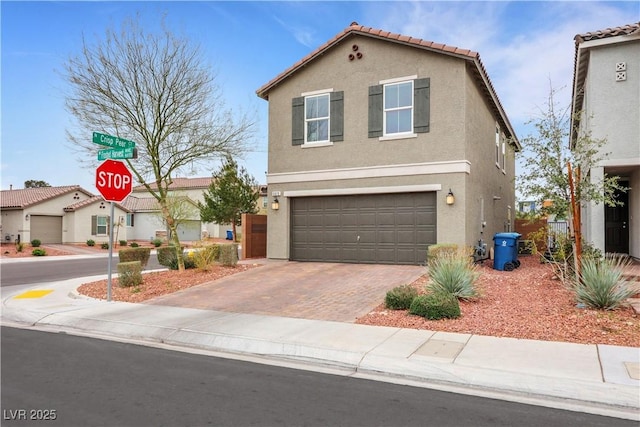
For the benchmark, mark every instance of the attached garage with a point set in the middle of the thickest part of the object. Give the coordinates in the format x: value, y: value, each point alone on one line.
x: 189, y: 231
x: 391, y: 228
x: 47, y: 229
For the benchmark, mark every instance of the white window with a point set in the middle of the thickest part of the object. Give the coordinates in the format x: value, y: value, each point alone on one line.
x: 498, y: 150
x: 265, y: 202
x: 398, y: 108
x: 503, y: 156
x: 101, y: 225
x: 129, y: 220
x: 316, y: 118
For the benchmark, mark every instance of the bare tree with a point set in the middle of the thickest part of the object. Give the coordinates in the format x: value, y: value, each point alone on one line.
x: 155, y: 90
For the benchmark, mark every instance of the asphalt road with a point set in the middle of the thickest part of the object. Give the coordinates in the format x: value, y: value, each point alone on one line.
x: 89, y: 382
x: 42, y: 271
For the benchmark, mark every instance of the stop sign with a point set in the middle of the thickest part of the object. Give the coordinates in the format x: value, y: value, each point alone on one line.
x: 113, y: 180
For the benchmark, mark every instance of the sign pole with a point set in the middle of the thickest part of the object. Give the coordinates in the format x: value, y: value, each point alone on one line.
x: 110, y: 252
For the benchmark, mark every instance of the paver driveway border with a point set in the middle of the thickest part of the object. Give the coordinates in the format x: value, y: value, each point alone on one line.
x: 310, y: 290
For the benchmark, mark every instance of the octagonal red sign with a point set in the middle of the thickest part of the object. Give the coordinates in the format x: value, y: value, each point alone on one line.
x: 113, y: 180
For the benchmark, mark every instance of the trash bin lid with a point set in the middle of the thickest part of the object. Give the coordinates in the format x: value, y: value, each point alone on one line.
x: 507, y: 236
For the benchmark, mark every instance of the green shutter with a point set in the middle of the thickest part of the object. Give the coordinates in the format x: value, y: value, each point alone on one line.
x: 94, y: 225
x: 375, y: 111
x: 337, y: 116
x: 421, y: 105
x: 297, y: 124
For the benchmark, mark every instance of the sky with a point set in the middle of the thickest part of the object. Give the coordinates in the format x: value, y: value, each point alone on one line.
x: 526, y: 47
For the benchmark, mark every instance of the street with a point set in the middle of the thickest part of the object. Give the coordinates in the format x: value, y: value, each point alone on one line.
x: 83, y: 381
x: 41, y: 271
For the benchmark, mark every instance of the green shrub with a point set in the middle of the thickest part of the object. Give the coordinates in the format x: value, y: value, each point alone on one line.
x: 104, y: 245
x: 434, y: 251
x: 400, y: 297
x: 157, y: 242
x: 134, y: 245
x: 36, y: 243
x: 453, y: 273
x: 166, y: 255
x: 123, y: 243
x: 135, y: 254
x: 19, y: 247
x: 229, y: 254
x: 601, y: 283
x: 129, y: 274
x: 38, y: 252
x: 435, y: 306
x: 91, y: 242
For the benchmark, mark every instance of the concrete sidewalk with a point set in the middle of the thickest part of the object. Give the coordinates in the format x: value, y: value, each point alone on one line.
x: 597, y: 379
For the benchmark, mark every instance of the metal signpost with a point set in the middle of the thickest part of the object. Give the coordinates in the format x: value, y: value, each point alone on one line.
x: 113, y: 180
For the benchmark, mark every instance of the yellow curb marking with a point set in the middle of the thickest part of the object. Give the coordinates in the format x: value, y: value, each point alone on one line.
x: 36, y: 293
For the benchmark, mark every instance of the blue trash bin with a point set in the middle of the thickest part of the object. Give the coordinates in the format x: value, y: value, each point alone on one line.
x: 505, y: 251
x: 229, y: 235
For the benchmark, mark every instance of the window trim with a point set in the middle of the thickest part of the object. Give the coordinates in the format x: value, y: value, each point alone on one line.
x: 503, y: 158
x: 99, y: 226
x: 317, y: 119
x: 497, y: 147
x: 411, y: 108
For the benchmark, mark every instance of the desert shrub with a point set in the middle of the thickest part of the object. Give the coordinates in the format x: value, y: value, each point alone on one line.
x: 204, y: 256
x: 435, y: 251
x: 91, y: 242
x: 36, y: 243
x: 129, y: 274
x: 157, y: 242
x: 400, y: 297
x: 38, y: 252
x: 104, y: 245
x: 19, y: 247
x: 602, y: 285
x: 453, y: 273
x: 229, y: 255
x: 135, y: 254
x: 166, y: 255
x: 134, y: 245
x: 123, y: 243
x: 435, y: 306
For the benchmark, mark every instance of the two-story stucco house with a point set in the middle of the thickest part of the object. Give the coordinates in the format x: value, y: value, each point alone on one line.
x: 606, y: 102
x: 382, y: 144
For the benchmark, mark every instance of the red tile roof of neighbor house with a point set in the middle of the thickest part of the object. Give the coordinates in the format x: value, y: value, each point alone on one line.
x: 356, y: 29
x: 95, y: 199
x: 180, y: 184
x: 26, y: 197
x: 138, y: 204
x: 581, y: 64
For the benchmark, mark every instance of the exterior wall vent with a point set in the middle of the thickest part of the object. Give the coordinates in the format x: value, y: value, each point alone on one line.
x: 621, y: 71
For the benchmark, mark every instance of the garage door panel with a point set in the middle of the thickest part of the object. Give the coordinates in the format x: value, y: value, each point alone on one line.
x: 392, y: 228
x: 47, y: 229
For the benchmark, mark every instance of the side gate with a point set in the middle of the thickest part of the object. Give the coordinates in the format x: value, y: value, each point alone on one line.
x: 254, y: 236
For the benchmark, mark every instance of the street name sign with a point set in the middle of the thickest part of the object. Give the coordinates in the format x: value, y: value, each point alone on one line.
x: 112, y: 141
x: 117, y: 153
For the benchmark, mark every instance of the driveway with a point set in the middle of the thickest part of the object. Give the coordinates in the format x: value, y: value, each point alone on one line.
x: 309, y: 290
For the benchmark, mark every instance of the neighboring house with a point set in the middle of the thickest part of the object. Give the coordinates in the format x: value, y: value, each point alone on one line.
x: 606, y: 102
x: 67, y: 214
x: 369, y: 134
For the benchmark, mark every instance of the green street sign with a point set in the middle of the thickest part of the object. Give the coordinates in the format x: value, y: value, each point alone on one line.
x: 118, y: 153
x: 112, y: 141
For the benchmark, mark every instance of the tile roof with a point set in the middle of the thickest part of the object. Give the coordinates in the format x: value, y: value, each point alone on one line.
x: 180, y: 184
x: 624, y: 30
x: 138, y: 204
x: 581, y: 63
x: 25, y: 197
x: 356, y: 29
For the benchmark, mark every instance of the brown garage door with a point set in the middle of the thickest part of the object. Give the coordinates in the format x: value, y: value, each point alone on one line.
x: 47, y: 229
x: 371, y: 228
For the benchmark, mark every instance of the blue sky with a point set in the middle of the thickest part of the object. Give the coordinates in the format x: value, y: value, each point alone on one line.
x: 523, y: 45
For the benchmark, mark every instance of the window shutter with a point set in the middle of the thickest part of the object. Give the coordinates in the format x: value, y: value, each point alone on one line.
x: 421, y: 105
x: 375, y: 111
x: 337, y: 116
x: 94, y: 225
x: 297, y: 125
